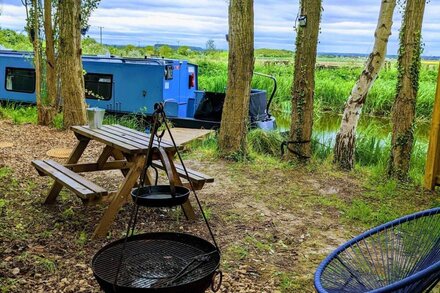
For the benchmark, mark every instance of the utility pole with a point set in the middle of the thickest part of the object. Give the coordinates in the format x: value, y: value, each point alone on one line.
x: 100, y: 33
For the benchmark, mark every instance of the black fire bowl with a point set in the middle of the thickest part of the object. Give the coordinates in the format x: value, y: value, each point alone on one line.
x: 151, y: 260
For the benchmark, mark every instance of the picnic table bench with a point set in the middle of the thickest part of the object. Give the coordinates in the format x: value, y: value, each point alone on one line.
x: 197, y: 179
x: 82, y: 187
x: 128, y: 148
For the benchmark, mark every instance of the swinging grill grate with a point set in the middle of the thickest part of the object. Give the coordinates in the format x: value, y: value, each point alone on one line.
x: 152, y: 263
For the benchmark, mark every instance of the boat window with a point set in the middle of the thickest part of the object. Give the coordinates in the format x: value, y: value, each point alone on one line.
x: 98, y: 86
x: 20, y: 80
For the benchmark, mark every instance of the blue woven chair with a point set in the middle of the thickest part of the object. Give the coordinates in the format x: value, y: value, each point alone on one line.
x: 400, y: 256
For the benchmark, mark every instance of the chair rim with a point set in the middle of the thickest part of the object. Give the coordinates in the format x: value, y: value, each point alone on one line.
x: 396, y: 285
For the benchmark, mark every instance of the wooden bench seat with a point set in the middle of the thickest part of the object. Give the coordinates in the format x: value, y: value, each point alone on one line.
x: 198, y: 179
x: 79, y: 185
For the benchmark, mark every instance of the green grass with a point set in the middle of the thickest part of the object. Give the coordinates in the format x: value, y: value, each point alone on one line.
x: 372, y: 150
x: 237, y: 251
x: 27, y: 114
x: 332, y: 86
x: 5, y: 171
x: 287, y: 282
x: 19, y: 114
x: 82, y: 238
x: 264, y: 142
x: 130, y: 121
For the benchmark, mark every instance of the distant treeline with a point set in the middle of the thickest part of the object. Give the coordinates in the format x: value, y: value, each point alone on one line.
x: 10, y: 39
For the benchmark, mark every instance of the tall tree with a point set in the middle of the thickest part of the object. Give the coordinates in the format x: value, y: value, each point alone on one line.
x: 303, y: 86
x: 407, y: 86
x: 47, y: 68
x: 50, y: 108
x: 71, y: 70
x: 210, y: 46
x: 346, y: 137
x: 233, y: 128
x: 33, y: 28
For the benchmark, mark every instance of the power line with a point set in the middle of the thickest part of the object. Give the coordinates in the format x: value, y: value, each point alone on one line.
x: 100, y: 33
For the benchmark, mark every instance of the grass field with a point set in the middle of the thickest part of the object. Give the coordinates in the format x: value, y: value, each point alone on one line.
x: 335, y: 78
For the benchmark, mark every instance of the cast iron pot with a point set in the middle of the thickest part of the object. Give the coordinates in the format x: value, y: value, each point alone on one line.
x: 160, y: 195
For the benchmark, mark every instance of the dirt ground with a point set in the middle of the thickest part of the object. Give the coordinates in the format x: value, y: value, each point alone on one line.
x: 274, y: 222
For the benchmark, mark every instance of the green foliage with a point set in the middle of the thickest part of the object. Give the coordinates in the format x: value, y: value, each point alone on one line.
x: 165, y: 51
x: 184, y: 51
x: 5, y: 171
x: 274, y: 53
x: 68, y: 213
x: 91, y: 46
x: 87, y: 7
x: 7, y: 284
x: 150, y: 50
x: 58, y: 121
x: 132, y: 51
x: 332, y: 87
x: 130, y: 121
x: 333, y: 84
x: 13, y: 40
x: 264, y: 142
x: 19, y: 114
x: 210, y: 46
x: 82, y: 238
x: 44, y: 264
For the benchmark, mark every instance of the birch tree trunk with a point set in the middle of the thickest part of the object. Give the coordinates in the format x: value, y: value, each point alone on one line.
x: 346, y: 137
x: 50, y: 108
x: 233, y: 129
x: 407, y: 86
x: 303, y: 87
x: 71, y: 70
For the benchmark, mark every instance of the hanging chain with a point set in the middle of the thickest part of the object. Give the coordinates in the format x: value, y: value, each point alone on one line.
x: 191, y: 184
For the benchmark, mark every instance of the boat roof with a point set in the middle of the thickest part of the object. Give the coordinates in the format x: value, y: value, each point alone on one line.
x: 102, y: 58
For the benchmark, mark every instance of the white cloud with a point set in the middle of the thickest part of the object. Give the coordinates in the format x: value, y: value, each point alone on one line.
x: 347, y: 26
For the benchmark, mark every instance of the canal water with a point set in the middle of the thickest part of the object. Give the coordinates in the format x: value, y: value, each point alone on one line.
x: 326, y: 125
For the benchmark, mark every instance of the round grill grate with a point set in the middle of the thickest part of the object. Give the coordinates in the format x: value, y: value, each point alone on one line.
x: 153, y: 263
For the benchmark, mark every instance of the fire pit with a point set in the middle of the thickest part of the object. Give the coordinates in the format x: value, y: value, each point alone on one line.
x: 157, y: 262
x: 161, y: 261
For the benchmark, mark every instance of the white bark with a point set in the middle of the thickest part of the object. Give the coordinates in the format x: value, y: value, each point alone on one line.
x: 346, y: 137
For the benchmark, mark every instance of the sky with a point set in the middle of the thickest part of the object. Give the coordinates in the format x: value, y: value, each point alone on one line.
x: 347, y: 26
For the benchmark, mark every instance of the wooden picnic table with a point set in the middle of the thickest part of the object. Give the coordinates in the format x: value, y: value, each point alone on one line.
x: 128, y: 148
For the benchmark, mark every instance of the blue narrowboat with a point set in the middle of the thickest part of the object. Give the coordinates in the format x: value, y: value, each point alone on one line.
x: 132, y: 85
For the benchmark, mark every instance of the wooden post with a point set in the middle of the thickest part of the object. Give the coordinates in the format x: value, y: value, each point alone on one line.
x: 433, y: 157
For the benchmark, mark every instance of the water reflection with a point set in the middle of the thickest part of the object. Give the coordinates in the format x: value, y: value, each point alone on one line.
x: 326, y: 125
